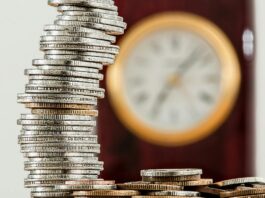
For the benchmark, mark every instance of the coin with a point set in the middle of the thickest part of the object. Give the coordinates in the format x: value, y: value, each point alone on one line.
x: 63, y: 73
x: 107, y: 193
x: 93, y: 14
x: 238, y: 181
x: 50, y: 194
x: 171, y: 179
x: 68, y: 31
x: 175, y: 193
x: 201, y: 182
x: 56, y: 117
x: 209, y: 190
x: 65, y: 112
x: 91, y: 182
x: 146, y: 186
x: 76, y: 63
x: 57, y: 101
x: 170, y: 172
x: 243, y: 192
x: 52, y: 139
x: 104, y: 27
x: 76, y: 46
x: 63, y: 8
x: 57, y: 122
x: 92, y: 19
x: 57, y: 154
x: 81, y: 187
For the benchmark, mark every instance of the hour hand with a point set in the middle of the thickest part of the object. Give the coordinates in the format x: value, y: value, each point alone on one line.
x: 161, y: 98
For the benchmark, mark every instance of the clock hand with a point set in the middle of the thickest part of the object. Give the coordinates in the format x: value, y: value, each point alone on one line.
x: 188, y: 63
x: 165, y: 91
x: 161, y: 98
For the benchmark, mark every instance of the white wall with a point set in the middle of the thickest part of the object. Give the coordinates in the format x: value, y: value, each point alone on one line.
x: 21, y: 24
x: 260, y: 88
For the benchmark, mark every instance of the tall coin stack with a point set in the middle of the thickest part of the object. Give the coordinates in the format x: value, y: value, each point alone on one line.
x: 58, y: 138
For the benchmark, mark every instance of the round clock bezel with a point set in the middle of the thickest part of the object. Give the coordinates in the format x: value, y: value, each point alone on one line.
x: 230, y: 78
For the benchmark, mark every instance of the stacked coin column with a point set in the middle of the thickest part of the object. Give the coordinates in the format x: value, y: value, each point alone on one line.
x: 58, y: 137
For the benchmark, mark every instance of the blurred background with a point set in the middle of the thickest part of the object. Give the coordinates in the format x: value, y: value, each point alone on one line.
x: 187, y: 89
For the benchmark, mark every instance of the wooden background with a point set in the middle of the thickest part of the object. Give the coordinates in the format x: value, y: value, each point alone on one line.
x: 225, y: 154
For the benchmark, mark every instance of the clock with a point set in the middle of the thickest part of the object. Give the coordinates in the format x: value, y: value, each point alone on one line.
x: 176, y: 79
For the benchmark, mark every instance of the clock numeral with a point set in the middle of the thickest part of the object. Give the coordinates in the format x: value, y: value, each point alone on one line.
x: 205, y: 97
x: 212, y: 78
x: 174, y: 43
x: 156, y: 47
x: 141, y: 98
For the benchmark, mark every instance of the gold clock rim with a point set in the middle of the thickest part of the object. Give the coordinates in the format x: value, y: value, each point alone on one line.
x: 231, y: 78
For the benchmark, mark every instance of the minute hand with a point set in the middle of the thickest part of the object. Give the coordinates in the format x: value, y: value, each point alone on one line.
x: 188, y: 63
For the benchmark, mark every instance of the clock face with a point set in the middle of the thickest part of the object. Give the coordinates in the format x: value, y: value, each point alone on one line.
x: 176, y: 79
x: 172, y: 79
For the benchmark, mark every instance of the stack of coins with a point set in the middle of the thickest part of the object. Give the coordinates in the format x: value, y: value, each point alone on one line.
x: 247, y: 187
x: 95, y: 189
x: 58, y: 137
x: 168, y: 183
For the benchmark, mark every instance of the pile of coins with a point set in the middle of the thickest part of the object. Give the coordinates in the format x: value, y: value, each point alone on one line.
x: 157, y: 183
x: 248, y: 187
x: 58, y: 137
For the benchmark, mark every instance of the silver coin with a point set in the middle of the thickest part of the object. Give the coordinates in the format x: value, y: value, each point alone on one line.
x: 84, y: 91
x: 64, y: 159
x: 55, y: 83
x: 65, y: 165
x: 75, y: 39
x: 33, y: 134
x: 105, y: 61
x: 85, y: 187
x: 57, y: 30
x: 57, y: 122
x: 58, y: 128
x: 90, y: 139
x: 58, y: 98
x: 63, y: 78
x: 76, y: 63
x: 63, y: 73
x: 79, y: 47
x: 109, y: 29
x: 86, y: 3
x: 176, y: 193
x: 93, y: 14
x: 82, y: 2
x: 63, y: 8
x: 72, y: 29
x: 239, y: 181
x: 169, y: 172
x: 50, y: 194
x: 42, y: 183
x: 46, y: 172
x: 83, y: 172
x: 67, y: 52
x: 43, y: 189
x: 58, y: 154
x: 61, y: 52
x: 68, y: 68
x: 62, y: 176
x: 56, y: 117
x: 92, y: 19
x: 90, y: 148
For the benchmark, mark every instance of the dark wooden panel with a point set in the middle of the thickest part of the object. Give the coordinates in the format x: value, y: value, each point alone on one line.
x: 225, y: 154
